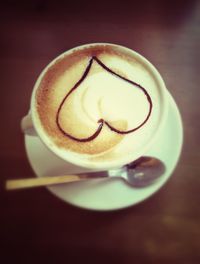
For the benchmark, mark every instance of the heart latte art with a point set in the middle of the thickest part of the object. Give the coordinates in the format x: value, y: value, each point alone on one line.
x: 105, y: 81
x: 97, y: 102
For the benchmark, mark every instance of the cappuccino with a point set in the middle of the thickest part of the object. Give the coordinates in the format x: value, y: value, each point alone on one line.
x: 98, y: 103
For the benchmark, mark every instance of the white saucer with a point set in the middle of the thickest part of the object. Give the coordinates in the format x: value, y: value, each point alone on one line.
x: 105, y: 194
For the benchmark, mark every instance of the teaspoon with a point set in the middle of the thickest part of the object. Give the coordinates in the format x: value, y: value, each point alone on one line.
x: 139, y: 173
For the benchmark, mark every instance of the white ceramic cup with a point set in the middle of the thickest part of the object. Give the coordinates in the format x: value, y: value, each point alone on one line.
x: 31, y: 127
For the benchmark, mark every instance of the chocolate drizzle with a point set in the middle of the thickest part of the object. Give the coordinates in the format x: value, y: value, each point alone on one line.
x: 101, y: 122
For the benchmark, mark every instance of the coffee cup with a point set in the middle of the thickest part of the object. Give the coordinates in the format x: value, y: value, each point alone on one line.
x: 98, y: 106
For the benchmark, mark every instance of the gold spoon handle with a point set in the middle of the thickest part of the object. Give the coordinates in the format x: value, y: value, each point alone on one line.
x: 42, y: 181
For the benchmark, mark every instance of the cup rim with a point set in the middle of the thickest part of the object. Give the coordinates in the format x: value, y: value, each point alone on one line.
x: 76, y: 159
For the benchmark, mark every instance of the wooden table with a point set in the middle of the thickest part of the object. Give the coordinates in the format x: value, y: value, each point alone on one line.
x: 39, y: 228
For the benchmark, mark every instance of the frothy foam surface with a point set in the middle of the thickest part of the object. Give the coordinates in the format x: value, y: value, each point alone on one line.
x: 101, y: 95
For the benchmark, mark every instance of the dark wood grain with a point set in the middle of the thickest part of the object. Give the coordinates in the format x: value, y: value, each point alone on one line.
x: 36, y: 226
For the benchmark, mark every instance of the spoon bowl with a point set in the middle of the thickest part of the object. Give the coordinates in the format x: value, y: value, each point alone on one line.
x: 140, y: 173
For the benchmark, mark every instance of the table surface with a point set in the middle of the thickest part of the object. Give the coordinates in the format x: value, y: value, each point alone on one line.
x: 36, y: 226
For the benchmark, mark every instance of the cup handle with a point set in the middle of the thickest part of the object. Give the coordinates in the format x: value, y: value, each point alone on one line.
x: 27, y: 125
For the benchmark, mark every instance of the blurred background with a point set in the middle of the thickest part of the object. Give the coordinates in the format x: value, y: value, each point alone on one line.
x: 36, y: 226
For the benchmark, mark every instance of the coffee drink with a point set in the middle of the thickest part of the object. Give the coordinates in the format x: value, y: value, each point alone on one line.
x: 99, y: 102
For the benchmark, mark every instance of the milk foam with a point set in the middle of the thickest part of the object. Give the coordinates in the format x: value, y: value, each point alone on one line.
x: 104, y: 96
x: 108, y: 97
x: 101, y: 95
